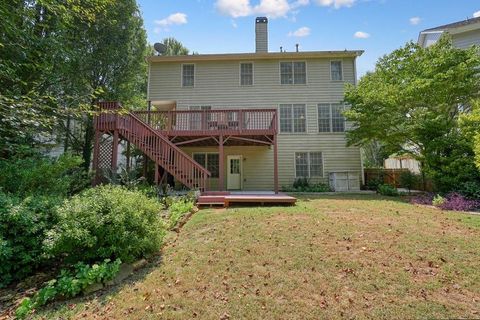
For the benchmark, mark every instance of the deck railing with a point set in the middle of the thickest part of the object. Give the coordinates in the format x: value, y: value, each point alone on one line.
x: 207, y: 122
x: 155, y: 145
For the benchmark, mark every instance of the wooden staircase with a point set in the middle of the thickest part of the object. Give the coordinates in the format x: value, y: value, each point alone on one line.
x: 152, y: 143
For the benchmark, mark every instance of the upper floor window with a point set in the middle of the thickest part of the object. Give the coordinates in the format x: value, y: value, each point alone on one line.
x: 293, y: 118
x: 336, y: 71
x: 188, y: 75
x: 246, y: 74
x: 308, y: 164
x: 330, y: 117
x: 293, y: 73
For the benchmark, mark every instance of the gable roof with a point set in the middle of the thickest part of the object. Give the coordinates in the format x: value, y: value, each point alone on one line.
x: 258, y: 56
x: 455, y: 25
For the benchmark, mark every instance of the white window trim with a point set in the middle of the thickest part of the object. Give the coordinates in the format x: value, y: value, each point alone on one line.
x: 292, y: 84
x: 306, y: 119
x: 331, y: 119
x: 206, y: 160
x: 240, y: 74
x: 194, y: 75
x: 343, y: 76
x: 308, y: 159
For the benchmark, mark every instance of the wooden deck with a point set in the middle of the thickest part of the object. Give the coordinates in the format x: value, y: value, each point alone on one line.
x: 226, y: 198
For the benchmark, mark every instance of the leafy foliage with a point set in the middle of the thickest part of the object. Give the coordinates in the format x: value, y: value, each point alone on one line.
x: 387, y: 190
x: 412, y: 103
x: 438, y: 200
x: 177, y: 209
x: 303, y: 185
x: 23, y: 226
x: 70, y: 284
x: 457, y: 202
x: 40, y: 175
x: 107, y: 222
x: 409, y: 180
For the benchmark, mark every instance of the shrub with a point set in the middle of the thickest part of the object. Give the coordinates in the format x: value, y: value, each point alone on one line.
x: 457, y: 202
x: 387, y: 190
x: 470, y: 190
x: 178, y: 208
x: 42, y: 176
x: 23, y: 226
x: 107, y: 222
x: 374, y: 183
x: 438, y: 200
x: 425, y: 199
x: 409, y: 180
x: 70, y: 284
x: 301, y: 183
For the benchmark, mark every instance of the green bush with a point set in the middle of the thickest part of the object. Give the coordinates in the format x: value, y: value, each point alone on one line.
x: 409, y: 180
x: 301, y: 183
x: 438, y: 200
x: 470, y: 190
x: 177, y: 209
x: 42, y: 176
x: 373, y: 184
x: 107, y: 222
x: 70, y: 284
x: 23, y: 227
x: 387, y: 190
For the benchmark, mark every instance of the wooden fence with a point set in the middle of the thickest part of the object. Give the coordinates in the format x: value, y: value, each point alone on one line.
x: 392, y: 177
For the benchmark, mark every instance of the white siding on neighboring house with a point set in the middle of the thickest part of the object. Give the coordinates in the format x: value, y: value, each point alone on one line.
x: 466, y: 39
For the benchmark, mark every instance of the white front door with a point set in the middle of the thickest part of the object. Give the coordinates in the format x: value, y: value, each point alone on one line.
x: 234, y: 172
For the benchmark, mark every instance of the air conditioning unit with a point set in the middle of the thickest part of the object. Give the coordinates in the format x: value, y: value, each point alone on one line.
x: 344, y: 180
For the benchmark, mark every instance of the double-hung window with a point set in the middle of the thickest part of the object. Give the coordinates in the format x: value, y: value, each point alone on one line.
x: 293, y: 118
x: 293, y: 72
x: 336, y: 70
x: 246, y: 74
x: 330, y: 117
x: 188, y: 75
x: 208, y: 160
x: 308, y: 164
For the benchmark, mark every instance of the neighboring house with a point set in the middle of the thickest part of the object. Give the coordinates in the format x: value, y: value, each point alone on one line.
x: 257, y: 121
x: 464, y: 33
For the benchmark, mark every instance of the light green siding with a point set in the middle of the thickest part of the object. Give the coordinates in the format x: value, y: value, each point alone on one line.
x: 217, y: 84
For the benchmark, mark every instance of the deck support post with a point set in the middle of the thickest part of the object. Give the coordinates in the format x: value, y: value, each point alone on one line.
x: 128, y: 156
x: 114, y: 151
x: 275, y: 164
x: 96, y: 157
x: 221, y: 165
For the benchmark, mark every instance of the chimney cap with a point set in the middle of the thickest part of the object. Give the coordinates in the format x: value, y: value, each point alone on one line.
x: 261, y: 20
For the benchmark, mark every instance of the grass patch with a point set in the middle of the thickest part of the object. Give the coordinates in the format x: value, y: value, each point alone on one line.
x: 328, y: 257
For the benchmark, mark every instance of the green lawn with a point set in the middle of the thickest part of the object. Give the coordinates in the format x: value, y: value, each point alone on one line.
x: 328, y: 257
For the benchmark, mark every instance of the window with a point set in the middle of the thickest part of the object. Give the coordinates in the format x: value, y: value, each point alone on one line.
x: 330, y: 117
x: 188, y: 75
x: 209, y: 161
x: 293, y: 118
x: 246, y: 74
x: 308, y: 164
x: 293, y: 73
x: 336, y: 70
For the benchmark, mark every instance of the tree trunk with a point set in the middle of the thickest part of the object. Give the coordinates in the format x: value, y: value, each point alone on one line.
x: 87, y: 145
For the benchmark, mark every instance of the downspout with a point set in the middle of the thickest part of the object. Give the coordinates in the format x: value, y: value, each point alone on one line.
x: 362, y: 172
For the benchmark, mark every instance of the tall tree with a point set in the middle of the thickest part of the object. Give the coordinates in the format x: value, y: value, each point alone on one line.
x: 411, y: 103
x: 174, y: 47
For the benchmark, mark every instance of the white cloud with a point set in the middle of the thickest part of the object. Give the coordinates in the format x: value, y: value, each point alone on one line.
x: 361, y: 35
x: 476, y: 14
x: 415, y: 20
x: 300, y: 32
x: 336, y: 3
x: 234, y: 8
x: 173, y: 19
x: 234, y: 24
x: 269, y: 8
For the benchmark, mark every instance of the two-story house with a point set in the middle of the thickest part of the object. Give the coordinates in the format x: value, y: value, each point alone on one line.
x: 464, y: 33
x: 257, y: 121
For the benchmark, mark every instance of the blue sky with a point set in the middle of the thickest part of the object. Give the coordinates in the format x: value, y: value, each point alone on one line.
x: 226, y: 26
